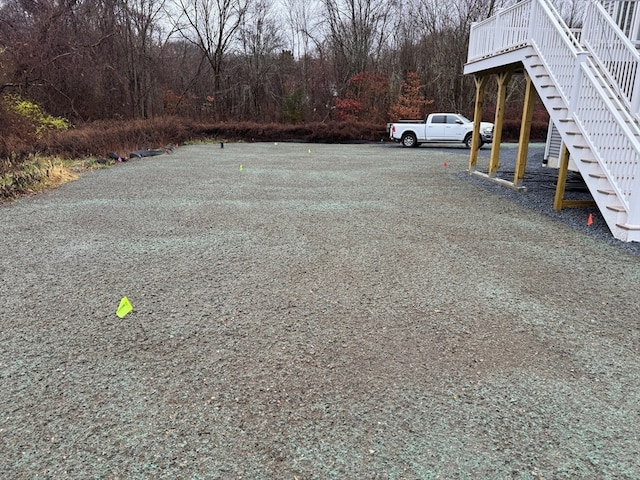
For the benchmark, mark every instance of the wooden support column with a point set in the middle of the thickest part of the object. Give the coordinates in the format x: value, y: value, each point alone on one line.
x: 559, y: 202
x: 481, y: 84
x: 525, y: 131
x: 503, y: 79
x: 562, y: 178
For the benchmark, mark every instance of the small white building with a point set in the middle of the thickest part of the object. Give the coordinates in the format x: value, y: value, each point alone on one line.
x: 589, y: 82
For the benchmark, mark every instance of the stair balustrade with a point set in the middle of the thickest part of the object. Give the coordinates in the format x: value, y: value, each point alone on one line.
x: 595, y: 84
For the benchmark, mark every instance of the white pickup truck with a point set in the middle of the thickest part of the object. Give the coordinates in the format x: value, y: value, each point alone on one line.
x: 438, y: 127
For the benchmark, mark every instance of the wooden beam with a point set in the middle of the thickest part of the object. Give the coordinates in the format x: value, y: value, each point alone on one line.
x: 562, y: 178
x: 481, y: 84
x: 525, y: 131
x: 578, y: 203
x: 503, y: 79
x: 499, y: 181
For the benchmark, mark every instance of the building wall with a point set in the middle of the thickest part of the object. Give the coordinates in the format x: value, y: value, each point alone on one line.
x: 552, y: 149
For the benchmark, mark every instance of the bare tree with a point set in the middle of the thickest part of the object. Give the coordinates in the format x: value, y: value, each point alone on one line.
x: 84, y: 59
x: 260, y: 39
x: 358, y: 30
x: 40, y: 47
x: 211, y: 25
x: 306, y: 32
x: 304, y: 26
x: 142, y: 37
x: 435, y: 42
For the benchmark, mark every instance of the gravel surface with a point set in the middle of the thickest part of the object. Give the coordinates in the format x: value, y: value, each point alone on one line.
x: 325, y: 311
x: 540, y: 183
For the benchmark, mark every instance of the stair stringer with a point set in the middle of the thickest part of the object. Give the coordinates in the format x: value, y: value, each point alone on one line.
x: 607, y: 196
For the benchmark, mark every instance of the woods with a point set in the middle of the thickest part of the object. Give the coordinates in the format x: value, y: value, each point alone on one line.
x: 241, y: 60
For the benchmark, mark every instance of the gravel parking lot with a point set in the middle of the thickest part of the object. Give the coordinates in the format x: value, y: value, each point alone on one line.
x: 314, y: 311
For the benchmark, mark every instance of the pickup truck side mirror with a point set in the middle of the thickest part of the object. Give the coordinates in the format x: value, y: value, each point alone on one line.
x: 459, y: 122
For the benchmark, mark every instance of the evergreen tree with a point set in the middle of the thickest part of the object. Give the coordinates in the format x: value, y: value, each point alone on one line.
x: 411, y: 102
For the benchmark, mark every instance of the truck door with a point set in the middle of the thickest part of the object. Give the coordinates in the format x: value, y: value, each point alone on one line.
x: 453, y: 128
x: 436, y: 127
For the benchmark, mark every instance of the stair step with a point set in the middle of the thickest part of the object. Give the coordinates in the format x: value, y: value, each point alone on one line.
x: 598, y: 175
x: 606, y: 191
x: 616, y: 208
x: 628, y: 227
x: 592, y: 161
x: 589, y: 161
x: 566, y: 119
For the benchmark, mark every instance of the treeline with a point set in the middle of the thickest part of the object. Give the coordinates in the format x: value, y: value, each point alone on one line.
x: 81, y: 78
x: 242, y: 60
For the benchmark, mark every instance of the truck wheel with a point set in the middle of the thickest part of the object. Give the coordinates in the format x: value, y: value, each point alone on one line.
x: 469, y: 138
x: 409, y: 140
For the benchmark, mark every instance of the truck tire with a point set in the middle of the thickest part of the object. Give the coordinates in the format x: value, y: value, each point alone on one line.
x: 469, y: 138
x: 409, y: 140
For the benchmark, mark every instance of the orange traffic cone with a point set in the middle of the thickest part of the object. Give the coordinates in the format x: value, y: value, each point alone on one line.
x: 590, y: 220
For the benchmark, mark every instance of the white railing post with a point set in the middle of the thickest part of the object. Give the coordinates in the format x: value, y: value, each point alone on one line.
x: 581, y: 57
x: 532, y: 19
x: 473, y: 47
x: 497, y: 37
x: 635, y: 97
x: 633, y: 217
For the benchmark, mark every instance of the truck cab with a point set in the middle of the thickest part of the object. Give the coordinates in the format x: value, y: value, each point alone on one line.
x: 439, y: 128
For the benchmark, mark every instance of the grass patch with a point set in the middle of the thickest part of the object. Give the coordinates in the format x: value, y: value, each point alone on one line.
x: 33, y: 174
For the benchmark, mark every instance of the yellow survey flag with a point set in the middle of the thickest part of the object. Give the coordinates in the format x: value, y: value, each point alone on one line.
x: 124, y: 307
x: 241, y: 168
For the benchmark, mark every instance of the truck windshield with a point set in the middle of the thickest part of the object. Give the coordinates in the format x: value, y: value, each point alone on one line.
x: 464, y: 119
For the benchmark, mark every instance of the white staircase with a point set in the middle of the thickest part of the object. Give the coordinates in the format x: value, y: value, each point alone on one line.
x: 589, y: 82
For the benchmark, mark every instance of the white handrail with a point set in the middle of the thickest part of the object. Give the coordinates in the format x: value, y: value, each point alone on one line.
x: 613, y: 52
x: 557, y: 47
x: 500, y: 32
x: 607, y: 130
x: 509, y: 28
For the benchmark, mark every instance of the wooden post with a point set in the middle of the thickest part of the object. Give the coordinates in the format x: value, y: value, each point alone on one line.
x: 481, y: 84
x: 562, y: 178
x: 503, y: 79
x: 525, y: 131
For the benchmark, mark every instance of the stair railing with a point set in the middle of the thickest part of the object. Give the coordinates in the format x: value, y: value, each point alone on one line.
x: 614, y: 52
x: 556, y: 45
x: 612, y: 140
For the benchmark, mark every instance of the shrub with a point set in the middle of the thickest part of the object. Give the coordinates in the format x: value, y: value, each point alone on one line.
x: 98, y: 138
x: 40, y: 120
x: 18, y: 133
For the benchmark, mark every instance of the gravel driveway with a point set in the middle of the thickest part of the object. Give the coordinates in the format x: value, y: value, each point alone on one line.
x: 325, y: 311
